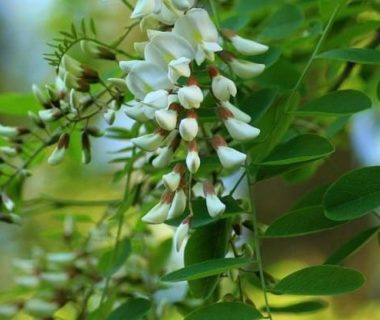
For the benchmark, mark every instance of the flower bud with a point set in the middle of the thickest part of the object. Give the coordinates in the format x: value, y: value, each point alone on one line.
x: 215, y: 207
x: 229, y: 157
x: 7, y: 202
x: 145, y: 7
x: 192, y: 159
x: 183, y: 4
x: 75, y: 70
x: 222, y: 87
x: 149, y: 142
x: 86, y: 148
x: 237, y: 113
x: 55, y: 279
x: 157, y: 99
x: 41, y: 96
x: 128, y: 65
x: 36, y: 120
x: 135, y: 110
x: 164, y: 157
x: 238, y: 130
x: 245, y: 46
x: 178, y: 205
x: 188, y: 127
x: 119, y: 84
x: 242, y: 68
x: 76, y: 83
x: 29, y: 282
x: 50, y: 115
x: 8, y: 311
x: 8, y: 132
x: 96, y: 51
x: 159, y: 213
x: 173, y: 178
x: 190, y: 97
x: 181, y: 233
x: 61, y: 258
x: 59, y: 152
x: 179, y: 68
x: 9, y: 151
x: 166, y: 119
x: 40, y: 308
x: 95, y: 132
x: 109, y: 116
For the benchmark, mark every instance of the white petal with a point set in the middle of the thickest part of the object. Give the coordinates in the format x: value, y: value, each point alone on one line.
x: 145, y: 7
x: 157, y: 99
x: 223, y: 88
x: 183, y: 4
x: 188, y: 128
x: 157, y: 214
x: 180, y: 234
x: 164, y: 157
x: 57, y: 156
x: 179, y: 68
x: 246, y: 69
x: 193, y: 161
x: 190, y: 97
x: 167, y: 15
x: 140, y: 47
x: 148, y: 142
x: 40, y: 308
x: 238, y: 114
x: 240, y: 130
x: 6, y: 131
x: 248, y: 47
x: 172, y: 180
x: 135, y: 110
x: 230, y: 157
x: 178, y: 205
x: 215, y: 207
x: 166, y: 119
x: 127, y: 66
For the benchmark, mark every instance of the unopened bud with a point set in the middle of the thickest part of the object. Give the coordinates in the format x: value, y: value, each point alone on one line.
x: 7, y: 202
x: 41, y: 96
x: 59, y: 152
x: 86, y: 148
x: 96, y: 51
x: 50, y: 115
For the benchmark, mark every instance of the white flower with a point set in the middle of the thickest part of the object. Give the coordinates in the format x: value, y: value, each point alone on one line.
x: 223, y: 88
x: 238, y: 129
x: 48, y: 115
x: 183, y: 4
x: 118, y: 83
x: 60, y: 150
x: 9, y: 132
x: 27, y: 281
x: 149, y: 142
x: 168, y: 15
x: 188, y: 127
x: 215, y: 207
x: 192, y: 159
x: 237, y: 113
x: 173, y: 178
x: 56, y: 279
x: 109, y: 116
x: 61, y: 258
x: 40, y: 95
x: 40, y: 308
x: 128, y: 65
x: 181, y: 233
x: 146, y: 7
x: 166, y: 119
x: 159, y: 212
x: 135, y: 110
x: 164, y: 157
x: 8, y: 151
x: 229, y: 157
x: 7, y: 202
x: 178, y: 205
x: 197, y: 28
x: 179, y: 68
x: 190, y: 97
x: 155, y: 100
x: 245, y: 46
x: 246, y: 69
x: 146, y: 77
x: 8, y: 311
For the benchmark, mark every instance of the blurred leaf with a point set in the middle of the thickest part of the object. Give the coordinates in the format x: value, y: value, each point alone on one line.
x: 352, y: 246
x: 283, y: 23
x: 320, y: 281
x: 356, y: 55
x: 344, y: 102
x: 112, y: 261
x: 301, y: 307
x: 235, y: 22
x: 268, y: 58
x: 312, y: 198
x: 225, y: 311
x: 200, y: 248
x: 302, y: 148
x: 19, y: 104
x: 301, y: 222
x: 257, y: 103
x: 266, y: 172
x: 244, y: 7
x: 132, y: 309
x: 353, y: 195
x: 160, y: 255
x: 205, y: 269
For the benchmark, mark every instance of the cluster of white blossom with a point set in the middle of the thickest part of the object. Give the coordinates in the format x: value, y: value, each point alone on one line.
x: 167, y: 92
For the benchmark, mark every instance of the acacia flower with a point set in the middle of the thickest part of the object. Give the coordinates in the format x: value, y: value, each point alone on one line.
x: 238, y: 129
x: 164, y: 157
x: 159, y: 213
x: 181, y: 233
x: 221, y: 87
x: 237, y: 113
x: 215, y: 207
x: 183, y: 4
x: 188, y: 127
x: 178, y: 205
x: 173, y: 178
x: 150, y: 141
x: 229, y: 157
x: 60, y: 150
x: 245, y: 46
x: 242, y: 68
x: 135, y: 110
x: 190, y: 96
x: 192, y: 159
x: 146, y: 7
x: 167, y: 119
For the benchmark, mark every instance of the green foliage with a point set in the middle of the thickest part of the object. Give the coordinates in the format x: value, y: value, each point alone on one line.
x: 356, y: 55
x: 301, y: 307
x: 132, y: 309
x: 17, y: 104
x: 112, y: 260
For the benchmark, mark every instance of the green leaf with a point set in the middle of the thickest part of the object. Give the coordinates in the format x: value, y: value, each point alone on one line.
x: 225, y: 311
x: 283, y: 23
x: 338, y: 103
x: 356, y: 55
x: 18, y: 103
x: 352, y: 246
x: 301, y: 307
x: 205, y: 269
x: 301, y: 222
x: 133, y: 309
x: 111, y: 261
x: 302, y: 148
x: 268, y: 58
x: 312, y: 198
x: 320, y: 281
x: 353, y: 195
x: 244, y: 7
x: 199, y: 248
x: 258, y: 103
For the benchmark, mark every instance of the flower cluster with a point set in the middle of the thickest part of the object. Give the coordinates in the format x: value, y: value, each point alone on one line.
x: 180, y: 74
